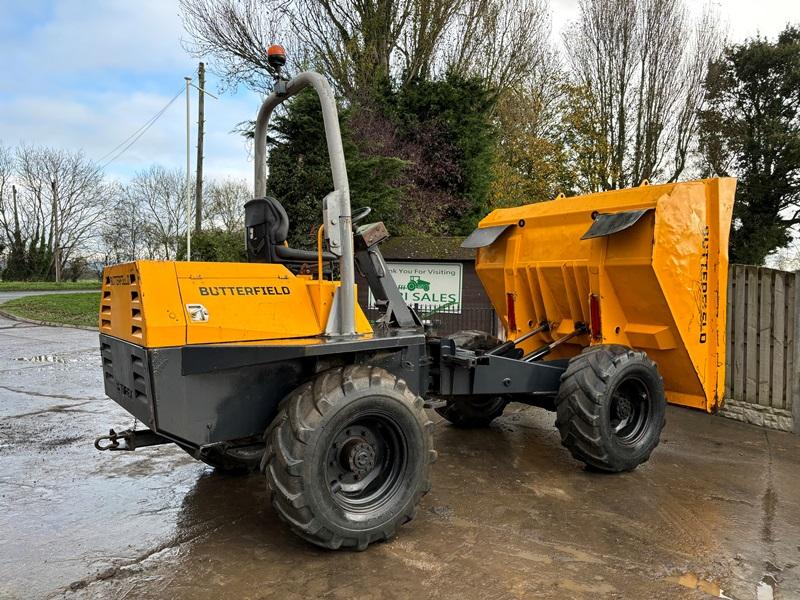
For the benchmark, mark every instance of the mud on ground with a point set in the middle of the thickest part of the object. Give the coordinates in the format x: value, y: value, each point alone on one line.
x: 511, y: 515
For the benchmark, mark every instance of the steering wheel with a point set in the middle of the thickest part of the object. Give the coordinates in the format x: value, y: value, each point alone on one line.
x: 360, y: 213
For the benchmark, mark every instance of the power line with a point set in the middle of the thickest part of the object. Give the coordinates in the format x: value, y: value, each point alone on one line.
x: 128, y: 142
x: 136, y: 135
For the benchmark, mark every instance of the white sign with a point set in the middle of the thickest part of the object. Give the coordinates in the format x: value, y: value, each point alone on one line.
x: 430, y: 285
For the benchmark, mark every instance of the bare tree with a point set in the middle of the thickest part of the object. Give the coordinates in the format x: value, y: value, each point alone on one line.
x: 62, y: 199
x: 503, y: 41
x: 356, y: 42
x: 126, y: 234
x: 225, y: 207
x: 359, y: 43
x: 706, y: 47
x: 160, y: 195
x: 786, y: 259
x: 642, y: 66
x: 237, y: 34
x: 9, y: 213
x: 427, y: 30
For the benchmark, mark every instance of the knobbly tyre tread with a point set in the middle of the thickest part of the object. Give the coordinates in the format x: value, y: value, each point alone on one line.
x: 289, y: 438
x: 469, y: 412
x: 474, y: 339
x: 472, y: 413
x: 580, y: 401
x: 225, y: 461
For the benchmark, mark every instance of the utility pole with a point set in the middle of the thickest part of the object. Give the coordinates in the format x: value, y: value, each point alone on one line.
x: 188, y: 176
x: 16, y: 213
x: 56, y: 233
x: 199, y: 185
x: 198, y: 192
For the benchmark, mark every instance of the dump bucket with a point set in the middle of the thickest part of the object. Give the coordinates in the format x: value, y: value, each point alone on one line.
x: 645, y: 267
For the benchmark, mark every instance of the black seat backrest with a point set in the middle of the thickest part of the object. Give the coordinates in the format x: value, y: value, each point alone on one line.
x: 266, y: 229
x: 266, y: 226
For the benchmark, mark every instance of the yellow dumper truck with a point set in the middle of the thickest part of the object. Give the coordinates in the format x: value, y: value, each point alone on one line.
x: 612, y: 303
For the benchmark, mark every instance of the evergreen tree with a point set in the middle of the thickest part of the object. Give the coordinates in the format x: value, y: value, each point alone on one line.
x: 752, y: 130
x: 300, y: 176
x: 420, y: 155
x: 446, y: 126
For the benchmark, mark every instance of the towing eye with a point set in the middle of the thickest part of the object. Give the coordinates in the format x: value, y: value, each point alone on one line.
x: 113, y: 440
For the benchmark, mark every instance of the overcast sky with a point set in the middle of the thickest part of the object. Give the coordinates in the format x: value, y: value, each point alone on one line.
x: 88, y: 73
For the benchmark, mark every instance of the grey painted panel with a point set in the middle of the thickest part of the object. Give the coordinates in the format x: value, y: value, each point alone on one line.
x: 606, y: 224
x: 484, y: 236
x: 126, y: 378
x: 219, y: 406
x: 216, y: 357
x: 500, y: 375
x: 238, y: 401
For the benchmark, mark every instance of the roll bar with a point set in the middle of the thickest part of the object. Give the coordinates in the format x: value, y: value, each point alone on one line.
x: 336, y: 215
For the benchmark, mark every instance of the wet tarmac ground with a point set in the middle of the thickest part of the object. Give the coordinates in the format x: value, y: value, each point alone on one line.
x: 716, y: 512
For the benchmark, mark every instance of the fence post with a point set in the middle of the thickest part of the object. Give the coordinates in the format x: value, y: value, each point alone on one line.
x: 795, y: 383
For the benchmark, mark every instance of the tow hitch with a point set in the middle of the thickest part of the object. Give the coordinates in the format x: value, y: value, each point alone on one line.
x: 133, y: 439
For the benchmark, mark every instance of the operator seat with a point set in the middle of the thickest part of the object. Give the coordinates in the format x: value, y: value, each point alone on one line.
x: 266, y: 229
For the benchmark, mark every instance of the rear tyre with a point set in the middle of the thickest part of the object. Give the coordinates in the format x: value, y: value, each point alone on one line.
x: 611, y: 407
x: 471, y: 412
x: 348, y: 457
x: 231, y: 461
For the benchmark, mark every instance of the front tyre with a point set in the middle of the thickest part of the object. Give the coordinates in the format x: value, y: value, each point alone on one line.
x: 611, y: 407
x: 348, y: 457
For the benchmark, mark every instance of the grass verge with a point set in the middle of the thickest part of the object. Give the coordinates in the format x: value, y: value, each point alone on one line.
x: 48, y: 286
x: 69, y: 309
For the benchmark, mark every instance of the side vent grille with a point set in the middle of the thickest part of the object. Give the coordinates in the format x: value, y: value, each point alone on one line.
x: 105, y: 307
x: 121, y: 312
x: 126, y: 375
x: 108, y: 363
x: 137, y: 321
x: 139, y: 370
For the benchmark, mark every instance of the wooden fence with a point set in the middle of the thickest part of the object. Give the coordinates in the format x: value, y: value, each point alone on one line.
x: 762, y: 383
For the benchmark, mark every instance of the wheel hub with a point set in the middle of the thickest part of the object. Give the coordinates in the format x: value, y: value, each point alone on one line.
x: 624, y: 408
x: 358, y: 456
x: 366, y: 462
x: 629, y: 410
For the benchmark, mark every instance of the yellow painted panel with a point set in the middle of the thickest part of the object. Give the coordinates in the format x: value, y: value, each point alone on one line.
x: 127, y: 289
x: 246, y: 301
x: 152, y: 303
x: 661, y: 283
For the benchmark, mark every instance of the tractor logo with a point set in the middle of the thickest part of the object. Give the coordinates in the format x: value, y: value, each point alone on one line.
x: 415, y: 283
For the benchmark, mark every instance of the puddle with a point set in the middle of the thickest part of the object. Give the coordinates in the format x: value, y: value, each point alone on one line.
x: 693, y: 582
x: 765, y: 590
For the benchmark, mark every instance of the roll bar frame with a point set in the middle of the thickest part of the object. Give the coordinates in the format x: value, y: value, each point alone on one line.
x: 336, y: 214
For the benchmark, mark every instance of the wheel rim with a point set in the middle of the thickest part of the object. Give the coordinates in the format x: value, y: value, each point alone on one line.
x: 629, y: 410
x: 366, y: 463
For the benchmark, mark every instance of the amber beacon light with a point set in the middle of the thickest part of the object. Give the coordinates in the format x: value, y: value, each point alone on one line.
x: 276, y: 56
